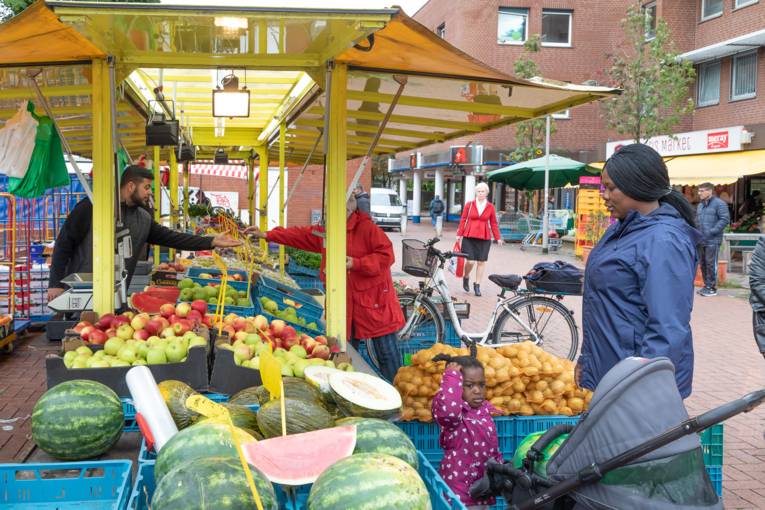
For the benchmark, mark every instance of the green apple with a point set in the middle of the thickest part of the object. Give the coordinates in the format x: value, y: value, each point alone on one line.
x: 175, y: 351
x: 139, y: 361
x: 113, y: 345
x: 299, y: 367
x: 197, y: 341
x: 330, y: 363
x: 127, y: 354
x: 80, y: 362
x: 255, y: 363
x: 189, y: 335
x: 299, y: 351
x: 280, y: 353
x: 100, y: 354
x: 156, y: 356
x: 84, y: 350
x: 287, y: 371
x: 252, y: 339
x: 98, y: 363
x: 119, y: 363
x: 347, y: 367
x: 69, y: 358
x: 224, y: 345
x: 142, y: 349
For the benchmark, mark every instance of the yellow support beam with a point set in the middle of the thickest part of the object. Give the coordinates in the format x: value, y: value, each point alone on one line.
x: 282, y: 133
x: 261, y: 78
x: 60, y: 91
x: 160, y: 60
x: 263, y: 192
x: 157, y: 199
x: 232, y: 136
x: 84, y: 109
x: 104, y: 185
x: 364, y: 128
x: 187, y: 91
x: 335, y: 242
x: 392, y: 144
x: 251, y: 189
x: 173, y: 185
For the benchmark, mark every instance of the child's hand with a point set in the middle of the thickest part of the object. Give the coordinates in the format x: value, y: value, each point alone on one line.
x: 454, y: 366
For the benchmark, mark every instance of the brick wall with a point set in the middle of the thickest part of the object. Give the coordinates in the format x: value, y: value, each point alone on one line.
x: 732, y: 23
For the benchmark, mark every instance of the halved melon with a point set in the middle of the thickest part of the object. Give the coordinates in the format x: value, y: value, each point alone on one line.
x: 359, y: 394
x: 299, y: 459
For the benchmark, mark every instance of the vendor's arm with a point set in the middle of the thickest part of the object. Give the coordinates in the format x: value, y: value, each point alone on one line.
x: 72, y: 234
x: 757, y: 272
x: 378, y: 260
x: 164, y: 236
x: 447, y: 404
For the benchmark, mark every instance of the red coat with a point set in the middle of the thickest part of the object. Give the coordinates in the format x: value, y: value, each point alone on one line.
x: 372, y: 305
x: 477, y: 226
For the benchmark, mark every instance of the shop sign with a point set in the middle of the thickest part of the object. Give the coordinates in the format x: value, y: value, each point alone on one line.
x: 692, y: 142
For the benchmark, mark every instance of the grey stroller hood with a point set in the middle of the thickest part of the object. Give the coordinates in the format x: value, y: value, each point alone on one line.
x: 636, y: 401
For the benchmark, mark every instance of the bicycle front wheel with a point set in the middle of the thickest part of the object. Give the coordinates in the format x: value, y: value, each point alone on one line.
x: 541, y: 320
x: 427, y: 321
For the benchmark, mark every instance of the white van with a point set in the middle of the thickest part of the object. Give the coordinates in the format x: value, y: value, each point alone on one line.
x: 385, y: 207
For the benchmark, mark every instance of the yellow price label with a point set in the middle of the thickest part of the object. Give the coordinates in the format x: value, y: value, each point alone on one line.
x: 206, y: 407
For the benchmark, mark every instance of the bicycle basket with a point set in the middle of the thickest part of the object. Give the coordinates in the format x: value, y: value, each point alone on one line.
x: 415, y: 259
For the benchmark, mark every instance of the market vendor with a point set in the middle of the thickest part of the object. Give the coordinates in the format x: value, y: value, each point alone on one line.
x: 372, y: 305
x: 73, y: 251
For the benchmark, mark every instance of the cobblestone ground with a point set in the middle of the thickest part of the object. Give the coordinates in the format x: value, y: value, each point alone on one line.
x: 728, y: 364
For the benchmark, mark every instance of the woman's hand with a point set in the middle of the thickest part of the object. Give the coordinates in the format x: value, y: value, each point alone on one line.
x: 500, y: 242
x: 225, y: 241
x: 254, y: 232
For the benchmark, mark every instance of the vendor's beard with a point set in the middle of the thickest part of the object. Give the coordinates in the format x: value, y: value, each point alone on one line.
x: 136, y: 200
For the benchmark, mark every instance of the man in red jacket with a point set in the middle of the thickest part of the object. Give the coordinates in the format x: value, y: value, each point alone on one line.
x: 372, y: 305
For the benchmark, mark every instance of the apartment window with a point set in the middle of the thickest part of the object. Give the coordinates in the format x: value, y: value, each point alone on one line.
x: 650, y: 20
x: 512, y: 26
x: 711, y: 8
x: 708, y: 84
x: 564, y: 115
x: 744, y: 80
x: 743, y: 3
x: 556, y: 28
x: 441, y: 31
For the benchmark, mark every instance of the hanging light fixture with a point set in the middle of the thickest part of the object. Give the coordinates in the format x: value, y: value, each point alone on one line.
x: 221, y: 158
x: 231, y: 101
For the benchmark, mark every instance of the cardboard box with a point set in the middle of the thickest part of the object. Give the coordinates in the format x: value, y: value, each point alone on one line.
x: 228, y: 377
x: 194, y: 371
x: 167, y: 278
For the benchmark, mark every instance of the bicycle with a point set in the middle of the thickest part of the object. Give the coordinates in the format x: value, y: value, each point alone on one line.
x: 526, y: 315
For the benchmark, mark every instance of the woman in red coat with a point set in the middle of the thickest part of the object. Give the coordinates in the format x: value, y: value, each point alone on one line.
x: 477, y: 225
x: 373, y: 310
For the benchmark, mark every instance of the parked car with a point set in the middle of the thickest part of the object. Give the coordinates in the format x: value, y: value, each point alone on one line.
x: 386, y: 208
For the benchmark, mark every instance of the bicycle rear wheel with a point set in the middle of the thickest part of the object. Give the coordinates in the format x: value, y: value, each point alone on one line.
x: 428, y: 323
x: 547, y: 318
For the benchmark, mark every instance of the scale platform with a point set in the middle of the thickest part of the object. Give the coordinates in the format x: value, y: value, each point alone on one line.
x: 79, y: 297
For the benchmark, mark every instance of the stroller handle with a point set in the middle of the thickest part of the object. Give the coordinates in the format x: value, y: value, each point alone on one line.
x: 725, y: 411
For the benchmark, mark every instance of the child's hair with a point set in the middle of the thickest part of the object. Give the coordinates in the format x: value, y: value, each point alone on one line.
x: 463, y: 361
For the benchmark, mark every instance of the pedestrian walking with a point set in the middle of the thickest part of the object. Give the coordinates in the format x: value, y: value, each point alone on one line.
x: 477, y: 226
x: 757, y: 294
x: 711, y: 217
x: 436, y: 209
x: 638, y: 284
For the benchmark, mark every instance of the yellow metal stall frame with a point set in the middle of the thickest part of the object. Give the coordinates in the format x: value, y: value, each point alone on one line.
x: 157, y: 199
x: 282, y: 134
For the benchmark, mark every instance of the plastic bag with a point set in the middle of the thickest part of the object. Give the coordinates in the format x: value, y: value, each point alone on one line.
x: 457, y: 264
x: 17, y: 142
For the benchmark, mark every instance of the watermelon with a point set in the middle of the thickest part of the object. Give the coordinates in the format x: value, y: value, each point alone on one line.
x: 373, y: 481
x: 175, y: 394
x: 77, y: 420
x: 199, y: 441
x: 242, y: 417
x: 380, y: 436
x: 211, y: 484
x: 144, y: 302
x: 359, y: 394
x: 299, y: 459
x: 294, y: 387
x: 169, y: 294
x: 302, y: 416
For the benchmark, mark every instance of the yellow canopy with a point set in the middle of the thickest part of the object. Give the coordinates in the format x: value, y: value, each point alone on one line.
x: 36, y: 36
x: 719, y: 168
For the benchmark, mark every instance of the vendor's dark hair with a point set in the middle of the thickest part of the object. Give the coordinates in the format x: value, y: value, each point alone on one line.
x: 136, y: 174
x: 640, y: 173
x: 463, y: 361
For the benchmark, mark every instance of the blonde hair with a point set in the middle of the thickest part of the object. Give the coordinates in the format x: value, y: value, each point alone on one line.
x: 482, y: 185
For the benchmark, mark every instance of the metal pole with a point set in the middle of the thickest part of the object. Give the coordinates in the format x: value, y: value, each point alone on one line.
x: 157, y: 200
x: 282, y: 143
x: 546, y: 218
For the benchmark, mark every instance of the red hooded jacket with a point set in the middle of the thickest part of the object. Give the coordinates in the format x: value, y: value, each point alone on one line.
x: 373, y: 309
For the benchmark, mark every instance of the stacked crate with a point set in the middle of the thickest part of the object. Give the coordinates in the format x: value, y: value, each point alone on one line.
x: 589, y: 203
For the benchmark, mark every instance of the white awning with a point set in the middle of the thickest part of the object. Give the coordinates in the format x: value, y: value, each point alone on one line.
x: 738, y: 44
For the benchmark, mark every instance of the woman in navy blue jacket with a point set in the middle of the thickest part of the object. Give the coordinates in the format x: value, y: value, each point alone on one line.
x: 638, y: 284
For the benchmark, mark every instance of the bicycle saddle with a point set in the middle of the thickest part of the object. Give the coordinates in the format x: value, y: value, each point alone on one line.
x: 506, y: 281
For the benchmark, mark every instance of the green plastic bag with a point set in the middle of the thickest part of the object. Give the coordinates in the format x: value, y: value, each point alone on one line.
x: 47, y: 168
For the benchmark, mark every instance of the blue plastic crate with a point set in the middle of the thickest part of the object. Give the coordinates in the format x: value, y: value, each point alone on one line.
x: 322, y: 328
x: 293, y: 268
x: 308, y: 282
x: 306, y: 304
x: 96, y: 485
x: 128, y: 409
x: 195, y: 271
x: 441, y: 496
x: 143, y: 489
x: 712, y: 445
x: 715, y: 475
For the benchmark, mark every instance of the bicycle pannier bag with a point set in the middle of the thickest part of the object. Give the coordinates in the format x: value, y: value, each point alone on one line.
x: 555, y: 278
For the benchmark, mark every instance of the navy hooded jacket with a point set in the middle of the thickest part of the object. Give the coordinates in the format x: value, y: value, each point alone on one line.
x: 638, y: 295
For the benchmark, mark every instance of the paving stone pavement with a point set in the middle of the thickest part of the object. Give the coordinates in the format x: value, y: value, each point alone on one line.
x: 727, y: 363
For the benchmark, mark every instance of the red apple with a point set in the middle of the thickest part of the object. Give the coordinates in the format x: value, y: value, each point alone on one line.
x: 320, y: 351
x: 154, y: 326
x: 164, y: 321
x: 173, y: 319
x: 86, y: 331
x: 308, y: 343
x: 167, y: 333
x: 321, y: 339
x: 239, y: 323
x: 277, y: 326
x: 119, y: 321
x: 82, y: 324
x: 110, y: 332
x: 129, y: 314
x: 260, y: 322
x: 200, y: 305
x: 229, y: 319
x: 290, y: 342
x: 141, y: 334
x: 166, y: 310
x: 229, y: 330
x: 104, y: 322
x: 289, y: 332
x: 240, y: 335
x: 180, y: 328
x: 207, y: 320
x: 139, y: 321
x: 194, y: 316
x: 97, y: 337
x: 182, y: 309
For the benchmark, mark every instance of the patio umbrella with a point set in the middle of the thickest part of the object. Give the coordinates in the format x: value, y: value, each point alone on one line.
x: 530, y: 175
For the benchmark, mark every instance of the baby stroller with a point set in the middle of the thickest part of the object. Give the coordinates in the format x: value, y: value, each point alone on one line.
x: 634, y: 448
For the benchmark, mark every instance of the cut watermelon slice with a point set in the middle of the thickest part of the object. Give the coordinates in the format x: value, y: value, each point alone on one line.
x: 144, y: 302
x: 299, y: 459
x: 170, y: 294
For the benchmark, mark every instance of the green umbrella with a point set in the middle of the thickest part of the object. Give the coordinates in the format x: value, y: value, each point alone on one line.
x: 531, y: 174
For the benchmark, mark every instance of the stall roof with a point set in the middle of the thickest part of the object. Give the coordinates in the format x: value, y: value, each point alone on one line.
x: 281, y: 54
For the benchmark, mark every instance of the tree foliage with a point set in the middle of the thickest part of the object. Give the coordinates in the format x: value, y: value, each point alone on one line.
x: 10, y: 8
x: 655, y: 82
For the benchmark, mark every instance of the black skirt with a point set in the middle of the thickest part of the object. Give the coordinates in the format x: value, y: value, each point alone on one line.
x: 476, y: 249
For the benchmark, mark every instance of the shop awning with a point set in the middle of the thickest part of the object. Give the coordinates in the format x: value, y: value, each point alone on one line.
x: 720, y: 168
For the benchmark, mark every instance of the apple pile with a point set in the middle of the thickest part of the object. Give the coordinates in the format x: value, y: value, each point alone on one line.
x: 170, y: 266
x: 238, y: 277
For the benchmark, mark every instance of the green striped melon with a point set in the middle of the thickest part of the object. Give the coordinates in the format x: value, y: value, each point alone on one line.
x: 242, y: 417
x: 294, y: 387
x: 380, y: 436
x: 175, y: 393
x: 215, y: 483
x: 199, y: 441
x: 246, y: 397
x: 372, y: 481
x: 301, y: 416
x: 77, y: 420
x: 360, y: 394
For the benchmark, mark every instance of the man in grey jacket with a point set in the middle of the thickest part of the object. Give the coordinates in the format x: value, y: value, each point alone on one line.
x: 757, y: 294
x: 711, y: 217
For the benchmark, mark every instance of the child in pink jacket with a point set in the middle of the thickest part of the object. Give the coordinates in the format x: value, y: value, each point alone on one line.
x: 468, y: 435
